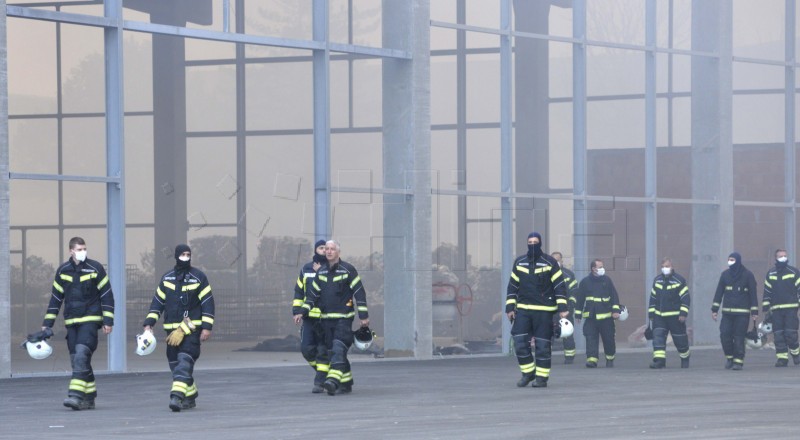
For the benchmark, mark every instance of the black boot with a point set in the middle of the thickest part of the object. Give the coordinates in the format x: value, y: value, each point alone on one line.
x: 684, y: 362
x: 609, y: 363
x: 77, y: 403
x: 330, y: 387
x: 782, y: 363
x: 540, y: 382
x: 796, y: 359
x: 175, y: 403
x: 728, y: 364
x: 591, y: 364
x: 737, y: 367
x: 659, y: 363
x: 345, y: 388
x: 188, y: 403
x: 568, y: 360
x: 317, y: 389
x: 525, y: 380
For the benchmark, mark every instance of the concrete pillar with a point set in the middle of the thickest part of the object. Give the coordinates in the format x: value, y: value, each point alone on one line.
x: 712, y: 159
x: 407, y: 162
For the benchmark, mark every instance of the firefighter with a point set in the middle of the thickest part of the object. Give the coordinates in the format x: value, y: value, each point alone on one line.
x: 598, y: 305
x: 312, y: 343
x: 668, y: 309
x: 781, y: 289
x: 184, y: 298
x: 736, y: 294
x: 536, y: 290
x: 82, y: 286
x: 338, y: 292
x: 572, y: 288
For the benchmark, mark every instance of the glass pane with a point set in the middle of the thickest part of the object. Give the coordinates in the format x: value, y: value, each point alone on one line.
x: 443, y: 90
x: 367, y: 93
x: 758, y: 119
x: 210, y: 98
x: 618, y: 21
x: 82, y: 69
x: 279, y: 96
x: 138, y: 75
x: 32, y: 81
x: 84, y: 146
x: 758, y: 29
x: 33, y: 145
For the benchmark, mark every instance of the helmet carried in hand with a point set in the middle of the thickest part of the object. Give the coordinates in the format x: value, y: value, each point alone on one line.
x: 363, y: 338
x: 145, y: 343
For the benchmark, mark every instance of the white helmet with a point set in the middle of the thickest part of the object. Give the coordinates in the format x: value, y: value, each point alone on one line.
x: 145, y: 343
x: 765, y: 328
x: 39, y: 350
x: 567, y: 329
x: 753, y: 339
x: 363, y: 337
x: 623, y: 313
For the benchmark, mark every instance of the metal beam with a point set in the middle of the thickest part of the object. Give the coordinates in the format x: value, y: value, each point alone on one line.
x: 506, y: 164
x: 322, y: 136
x: 790, y: 155
x: 115, y: 191
x: 650, y: 156
x: 5, y: 206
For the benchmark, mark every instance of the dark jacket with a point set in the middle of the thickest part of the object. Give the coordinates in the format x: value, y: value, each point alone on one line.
x: 597, y: 298
x: 183, y: 292
x: 572, y: 286
x: 85, y: 291
x: 781, y: 288
x: 736, y: 293
x: 338, y: 292
x: 307, y: 274
x: 536, y: 285
x: 669, y: 296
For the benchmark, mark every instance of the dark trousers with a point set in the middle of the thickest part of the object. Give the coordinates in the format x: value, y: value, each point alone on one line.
x: 313, y: 348
x: 732, y: 331
x: 82, y: 342
x: 338, y: 335
x: 538, y: 325
x: 662, y: 326
x: 593, y: 330
x: 181, y: 362
x: 784, y: 332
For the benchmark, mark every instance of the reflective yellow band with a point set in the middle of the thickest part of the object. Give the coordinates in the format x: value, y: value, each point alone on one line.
x: 542, y: 269
x: 514, y: 277
x: 542, y: 372
x: 323, y: 278
x: 523, y: 269
x: 64, y: 277
x: 188, y: 287
x: 161, y: 294
x: 297, y: 303
x: 355, y: 281
x: 108, y: 314
x: 50, y: 316
x: 537, y: 307
x: 785, y: 306
x: 208, y: 320
x: 555, y: 276
x: 58, y: 287
x: 314, y: 313
x: 731, y: 310
x: 152, y: 315
x: 204, y: 292
x: 665, y: 314
x: 337, y: 315
x: 527, y: 368
x: 174, y: 325
x: 83, y: 319
x: 169, y: 285
x: 602, y: 316
x: 362, y: 309
x: 88, y: 276
x: 786, y: 277
x: 103, y: 282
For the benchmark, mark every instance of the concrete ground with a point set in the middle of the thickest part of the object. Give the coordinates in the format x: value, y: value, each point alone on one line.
x: 466, y: 397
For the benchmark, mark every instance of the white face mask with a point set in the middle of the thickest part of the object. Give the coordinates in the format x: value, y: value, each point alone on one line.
x: 80, y: 255
x: 601, y: 271
x: 666, y: 270
x: 783, y: 259
x: 184, y: 259
x: 731, y: 263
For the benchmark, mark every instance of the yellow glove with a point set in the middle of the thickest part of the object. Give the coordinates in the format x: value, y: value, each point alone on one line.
x: 175, y: 338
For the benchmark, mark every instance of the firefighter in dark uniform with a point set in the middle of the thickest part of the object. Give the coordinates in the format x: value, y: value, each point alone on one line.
x: 312, y: 343
x: 572, y: 289
x: 82, y: 286
x: 781, y: 289
x: 535, y: 292
x: 184, y: 298
x: 598, y: 305
x: 736, y: 294
x: 668, y: 309
x: 338, y: 292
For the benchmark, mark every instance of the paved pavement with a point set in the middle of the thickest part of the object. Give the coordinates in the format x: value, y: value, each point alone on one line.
x: 467, y: 397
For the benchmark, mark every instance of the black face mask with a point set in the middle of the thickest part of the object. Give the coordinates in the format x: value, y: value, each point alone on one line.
x: 534, y: 250
x: 321, y: 259
x: 183, y: 266
x: 780, y: 265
